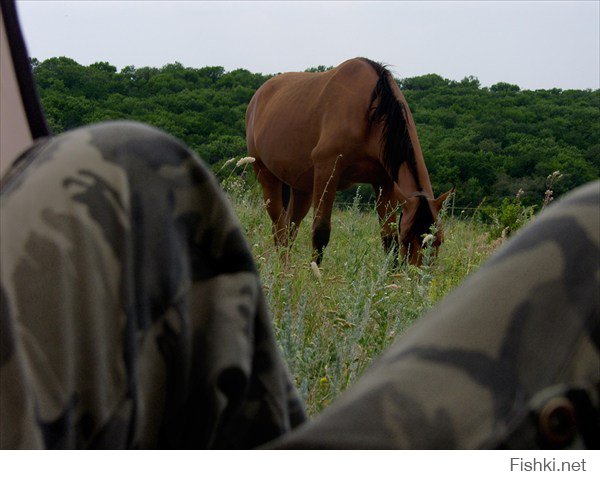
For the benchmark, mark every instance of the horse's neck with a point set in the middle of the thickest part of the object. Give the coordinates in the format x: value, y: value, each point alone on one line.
x: 408, y: 183
x: 406, y: 179
x: 415, y: 179
x: 421, y: 168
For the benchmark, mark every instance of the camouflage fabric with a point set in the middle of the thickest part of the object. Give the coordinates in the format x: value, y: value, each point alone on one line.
x: 510, y: 359
x: 132, y: 314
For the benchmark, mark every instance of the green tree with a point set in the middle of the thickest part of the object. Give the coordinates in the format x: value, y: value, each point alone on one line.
x: 488, y: 143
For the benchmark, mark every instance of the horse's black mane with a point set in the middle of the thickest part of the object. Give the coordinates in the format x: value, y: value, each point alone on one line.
x: 396, y: 145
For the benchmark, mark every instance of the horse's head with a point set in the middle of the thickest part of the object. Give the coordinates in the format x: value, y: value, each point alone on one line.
x: 419, y: 213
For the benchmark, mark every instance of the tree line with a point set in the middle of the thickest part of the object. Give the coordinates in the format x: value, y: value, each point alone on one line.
x: 490, y: 143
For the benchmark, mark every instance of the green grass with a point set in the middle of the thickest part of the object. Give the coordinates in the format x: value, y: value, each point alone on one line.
x: 330, y: 329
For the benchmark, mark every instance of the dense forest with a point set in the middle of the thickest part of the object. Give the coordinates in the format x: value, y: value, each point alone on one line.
x: 488, y: 142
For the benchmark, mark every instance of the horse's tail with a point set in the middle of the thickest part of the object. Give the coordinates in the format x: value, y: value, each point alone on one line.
x: 396, y: 146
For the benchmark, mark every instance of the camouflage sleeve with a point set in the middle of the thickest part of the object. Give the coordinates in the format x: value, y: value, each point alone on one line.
x: 510, y: 359
x: 132, y: 314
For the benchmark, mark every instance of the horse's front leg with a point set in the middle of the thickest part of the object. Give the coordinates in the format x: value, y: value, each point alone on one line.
x: 325, y: 185
x: 387, y: 206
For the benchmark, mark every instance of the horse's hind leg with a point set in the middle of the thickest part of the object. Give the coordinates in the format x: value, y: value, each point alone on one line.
x: 299, y: 207
x: 272, y: 189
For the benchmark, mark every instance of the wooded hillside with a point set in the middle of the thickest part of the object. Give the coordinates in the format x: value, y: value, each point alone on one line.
x: 488, y: 142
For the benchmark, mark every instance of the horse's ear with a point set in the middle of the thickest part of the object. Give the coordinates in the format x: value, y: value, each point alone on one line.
x: 439, y: 202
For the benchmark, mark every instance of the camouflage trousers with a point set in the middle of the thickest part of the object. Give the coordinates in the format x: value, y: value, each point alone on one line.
x: 132, y: 313
x: 132, y: 317
x: 510, y: 359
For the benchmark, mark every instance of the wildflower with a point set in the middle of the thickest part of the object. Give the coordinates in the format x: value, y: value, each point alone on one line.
x: 324, y: 381
x: 555, y: 175
x: 231, y: 160
x: 315, y: 269
x: 428, y: 239
x: 520, y: 193
x: 244, y: 161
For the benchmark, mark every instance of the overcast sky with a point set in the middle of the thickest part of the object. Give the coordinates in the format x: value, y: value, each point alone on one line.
x: 541, y: 44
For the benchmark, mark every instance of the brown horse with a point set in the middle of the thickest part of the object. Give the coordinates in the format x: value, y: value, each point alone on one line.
x: 316, y: 133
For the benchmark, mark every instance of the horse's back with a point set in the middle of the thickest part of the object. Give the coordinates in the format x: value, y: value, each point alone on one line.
x: 293, y: 114
x: 281, y: 106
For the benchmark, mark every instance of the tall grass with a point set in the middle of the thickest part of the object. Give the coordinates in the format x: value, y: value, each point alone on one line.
x: 332, y: 325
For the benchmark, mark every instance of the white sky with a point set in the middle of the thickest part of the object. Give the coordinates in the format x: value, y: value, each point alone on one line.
x: 541, y: 44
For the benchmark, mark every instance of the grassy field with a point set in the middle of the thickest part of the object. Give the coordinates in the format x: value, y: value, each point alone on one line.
x: 332, y: 323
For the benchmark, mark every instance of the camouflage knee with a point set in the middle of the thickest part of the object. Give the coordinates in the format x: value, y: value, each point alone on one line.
x: 132, y: 314
x: 509, y: 359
